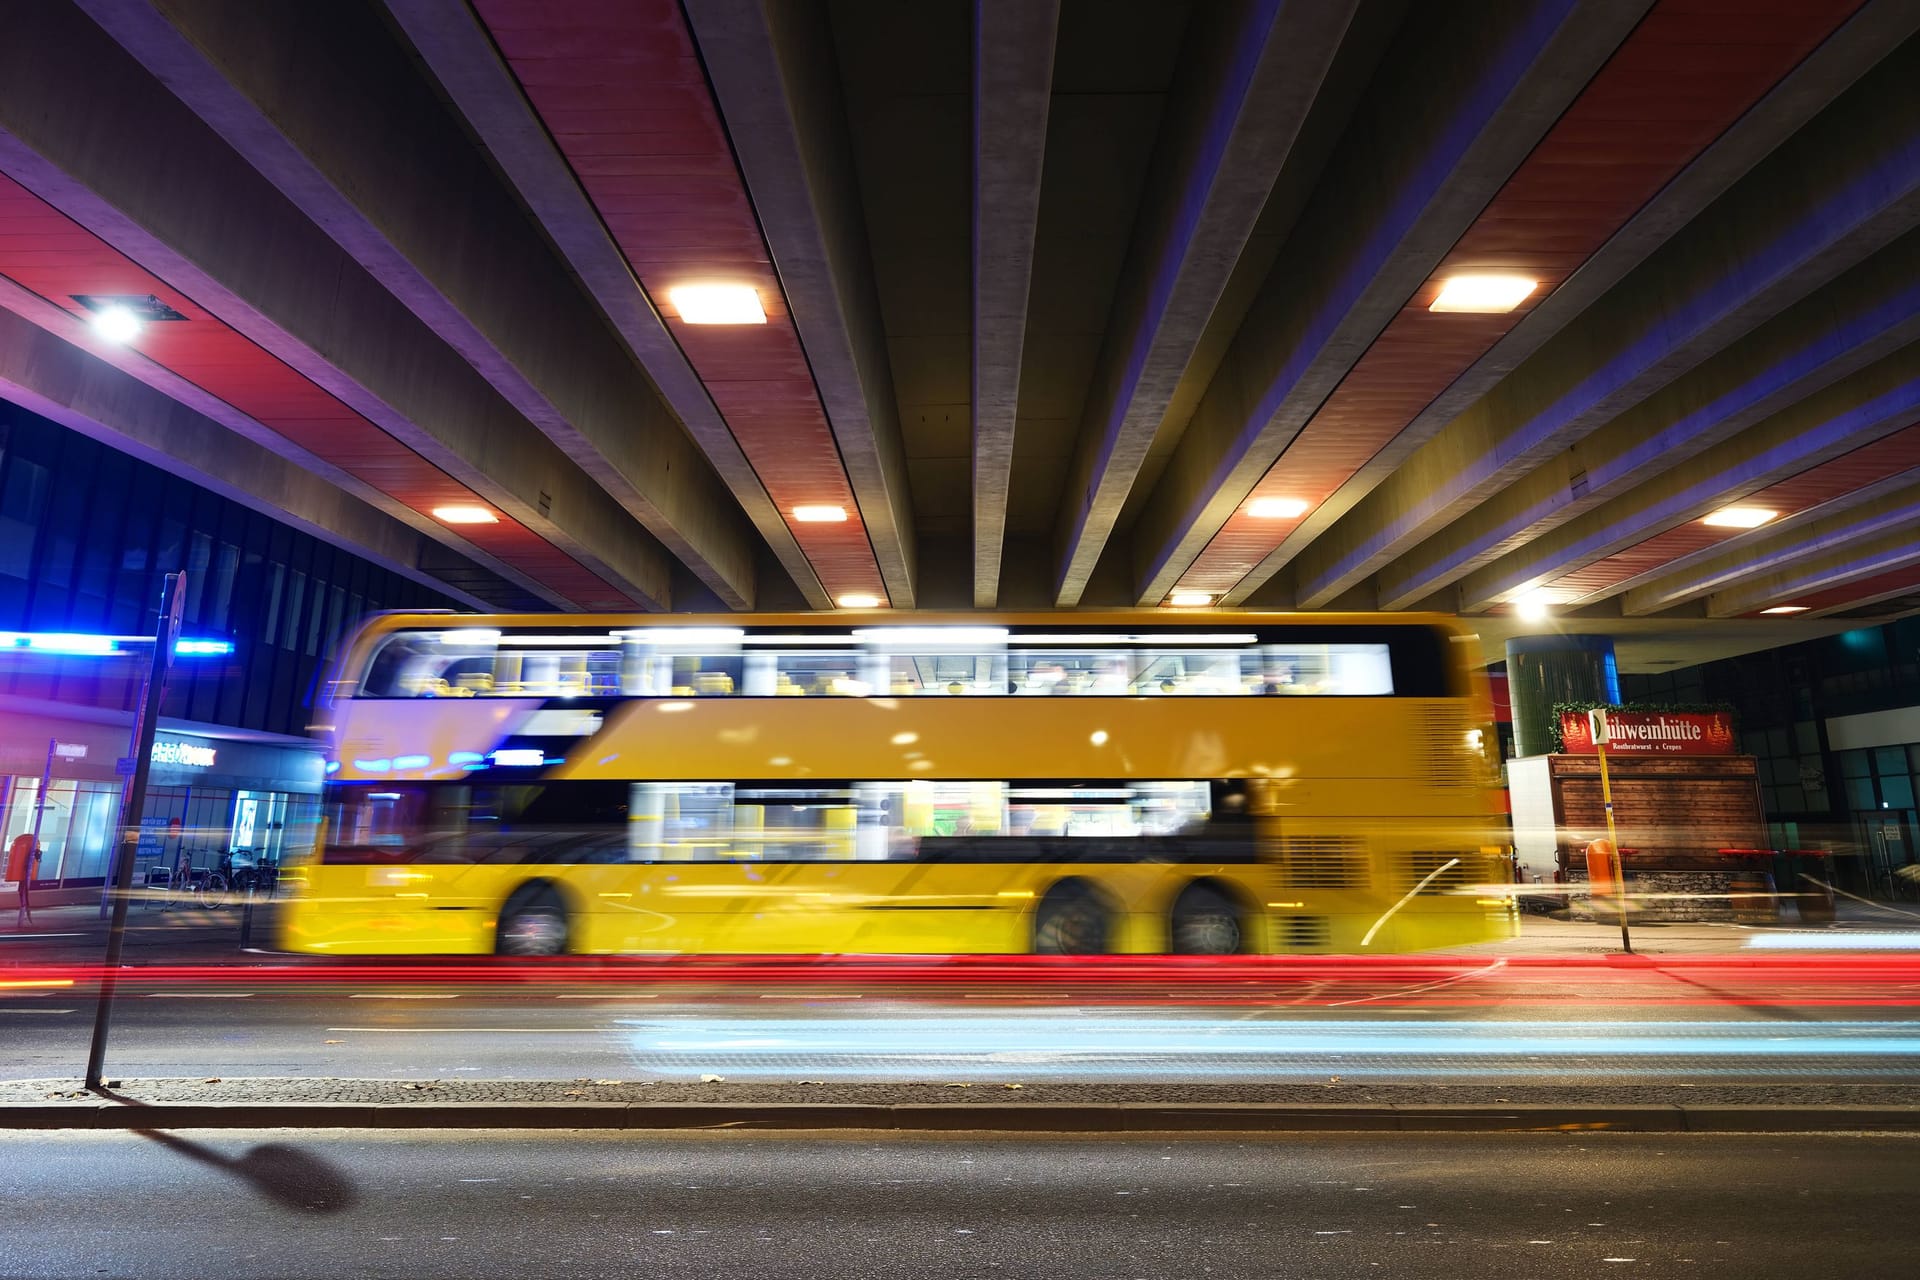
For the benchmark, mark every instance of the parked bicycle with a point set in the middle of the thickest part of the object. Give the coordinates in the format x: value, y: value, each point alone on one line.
x: 206, y: 887
x: 258, y: 879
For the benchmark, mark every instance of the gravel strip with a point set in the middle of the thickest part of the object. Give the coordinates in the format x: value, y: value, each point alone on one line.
x: 297, y: 1090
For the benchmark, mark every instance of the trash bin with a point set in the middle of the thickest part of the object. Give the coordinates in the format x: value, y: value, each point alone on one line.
x: 1754, y: 896
x: 1808, y: 875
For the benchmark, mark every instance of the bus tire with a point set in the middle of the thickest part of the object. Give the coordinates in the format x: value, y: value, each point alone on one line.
x: 1071, y: 921
x: 1206, y: 922
x: 533, y: 923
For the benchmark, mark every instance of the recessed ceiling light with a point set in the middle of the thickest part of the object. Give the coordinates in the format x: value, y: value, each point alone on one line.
x: 1276, y: 508
x: 717, y: 304
x: 122, y: 317
x: 1486, y: 294
x: 465, y: 515
x: 1788, y: 608
x: 819, y: 513
x: 1739, y: 517
x: 1189, y: 599
x: 1535, y: 605
x: 116, y: 323
x: 858, y: 600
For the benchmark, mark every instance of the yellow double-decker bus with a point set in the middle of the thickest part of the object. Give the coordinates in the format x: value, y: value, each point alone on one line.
x: 1080, y: 784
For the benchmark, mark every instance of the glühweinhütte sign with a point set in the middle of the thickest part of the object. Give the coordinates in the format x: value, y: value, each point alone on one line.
x: 1652, y: 733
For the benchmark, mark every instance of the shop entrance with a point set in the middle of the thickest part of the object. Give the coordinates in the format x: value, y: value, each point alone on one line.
x: 1888, y: 838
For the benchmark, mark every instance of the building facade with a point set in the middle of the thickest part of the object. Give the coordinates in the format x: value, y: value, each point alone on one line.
x: 1835, y: 724
x: 86, y: 534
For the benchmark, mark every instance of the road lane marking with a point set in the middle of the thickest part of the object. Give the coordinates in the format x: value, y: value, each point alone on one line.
x: 198, y: 995
x: 26, y: 937
x: 783, y: 996
x: 384, y: 995
x: 647, y: 996
x: 36, y: 1010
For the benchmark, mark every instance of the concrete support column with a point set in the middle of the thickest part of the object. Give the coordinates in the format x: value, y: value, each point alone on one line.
x: 1543, y: 670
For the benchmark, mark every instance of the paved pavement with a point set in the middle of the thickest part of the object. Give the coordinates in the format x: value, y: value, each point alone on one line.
x: 747, y: 1207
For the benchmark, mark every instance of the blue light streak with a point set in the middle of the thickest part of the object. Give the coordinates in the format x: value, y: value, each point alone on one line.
x: 75, y: 644
x: 1836, y: 941
x: 1068, y: 1043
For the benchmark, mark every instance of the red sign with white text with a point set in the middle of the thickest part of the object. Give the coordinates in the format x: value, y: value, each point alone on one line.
x: 1652, y: 733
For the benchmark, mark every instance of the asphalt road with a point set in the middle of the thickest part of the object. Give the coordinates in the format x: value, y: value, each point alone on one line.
x: 428, y: 1034
x: 1477, y: 1021
x: 195, y: 1005
x: 578, y: 1206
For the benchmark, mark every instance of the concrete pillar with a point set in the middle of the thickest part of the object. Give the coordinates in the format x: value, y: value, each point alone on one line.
x: 1543, y: 670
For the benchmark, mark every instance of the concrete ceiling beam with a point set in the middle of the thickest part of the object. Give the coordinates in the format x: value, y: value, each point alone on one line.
x: 79, y: 389
x: 1843, y: 58
x: 1012, y: 91
x: 1771, y: 554
x: 133, y: 165
x: 1907, y: 585
x: 1460, y: 100
x: 1826, y: 563
x: 1880, y: 401
x: 1838, y: 191
x: 1671, y: 575
x: 773, y: 71
x: 1250, y: 73
x: 1782, y: 400
x: 331, y: 109
x: 457, y: 49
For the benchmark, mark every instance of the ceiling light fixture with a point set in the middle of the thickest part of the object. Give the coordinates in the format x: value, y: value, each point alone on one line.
x: 121, y: 317
x: 717, y: 304
x: 1277, y: 508
x: 1189, y: 599
x: 819, y: 513
x: 1787, y: 608
x: 1739, y: 517
x: 858, y: 600
x: 1483, y: 294
x: 1535, y: 605
x: 117, y: 324
x: 465, y: 515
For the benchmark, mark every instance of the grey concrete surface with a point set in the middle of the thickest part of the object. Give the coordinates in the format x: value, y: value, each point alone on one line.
x: 367, y: 1204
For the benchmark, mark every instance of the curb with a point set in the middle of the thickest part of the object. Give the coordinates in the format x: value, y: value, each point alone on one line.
x: 1045, y: 1118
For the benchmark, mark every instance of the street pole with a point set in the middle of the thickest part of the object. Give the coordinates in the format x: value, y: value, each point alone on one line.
x: 1598, y: 720
x: 39, y: 817
x: 172, y: 596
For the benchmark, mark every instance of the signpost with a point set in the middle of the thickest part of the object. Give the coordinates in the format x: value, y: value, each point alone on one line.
x: 172, y: 597
x: 1598, y: 732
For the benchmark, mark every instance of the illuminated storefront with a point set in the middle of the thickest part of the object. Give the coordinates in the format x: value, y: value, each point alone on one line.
x: 212, y: 794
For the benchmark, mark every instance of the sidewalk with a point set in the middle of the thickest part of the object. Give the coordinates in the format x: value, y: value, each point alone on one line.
x: 77, y: 931
x: 1548, y: 936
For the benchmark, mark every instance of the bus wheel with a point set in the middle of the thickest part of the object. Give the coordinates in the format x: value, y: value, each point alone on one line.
x: 533, y: 925
x: 1206, y: 923
x: 1071, y: 922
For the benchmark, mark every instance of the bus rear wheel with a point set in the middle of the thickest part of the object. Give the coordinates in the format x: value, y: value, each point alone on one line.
x: 1206, y: 922
x: 532, y: 925
x: 1071, y: 922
